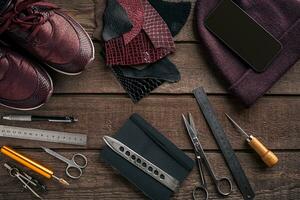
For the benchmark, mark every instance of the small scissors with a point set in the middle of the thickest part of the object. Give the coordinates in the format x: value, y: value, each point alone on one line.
x: 201, y: 158
x: 72, y: 164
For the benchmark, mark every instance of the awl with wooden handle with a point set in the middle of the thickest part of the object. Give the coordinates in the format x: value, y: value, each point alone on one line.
x: 266, y: 155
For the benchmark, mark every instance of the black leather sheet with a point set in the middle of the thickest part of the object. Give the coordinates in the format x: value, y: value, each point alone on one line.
x: 116, y: 21
x: 141, y: 137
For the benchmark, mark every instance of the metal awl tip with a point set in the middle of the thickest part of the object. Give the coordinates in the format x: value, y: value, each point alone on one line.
x: 237, y: 126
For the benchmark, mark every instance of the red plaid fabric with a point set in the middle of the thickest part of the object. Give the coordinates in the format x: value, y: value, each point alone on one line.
x: 156, y: 28
x: 139, y: 51
x: 135, y: 12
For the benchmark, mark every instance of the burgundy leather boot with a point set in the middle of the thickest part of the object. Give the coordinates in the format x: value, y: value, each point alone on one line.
x: 50, y: 35
x: 23, y: 85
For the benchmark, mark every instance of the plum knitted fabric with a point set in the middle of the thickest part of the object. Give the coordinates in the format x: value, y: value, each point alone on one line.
x: 281, y: 19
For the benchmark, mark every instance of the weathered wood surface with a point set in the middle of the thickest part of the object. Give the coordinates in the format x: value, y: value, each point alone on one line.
x: 273, y: 119
x: 102, y: 106
x: 100, y: 181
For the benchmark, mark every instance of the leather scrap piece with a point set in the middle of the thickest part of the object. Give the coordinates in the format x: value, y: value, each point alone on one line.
x: 156, y: 29
x: 136, y: 88
x: 138, y: 83
x: 163, y: 69
x: 167, y: 9
x: 116, y: 21
x: 139, y: 51
x: 135, y: 12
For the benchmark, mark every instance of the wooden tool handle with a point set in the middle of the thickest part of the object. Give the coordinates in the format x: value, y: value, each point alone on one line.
x: 266, y: 155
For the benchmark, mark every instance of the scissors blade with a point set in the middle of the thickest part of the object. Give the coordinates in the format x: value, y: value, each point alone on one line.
x: 191, y: 132
x: 192, y: 124
x: 56, y: 155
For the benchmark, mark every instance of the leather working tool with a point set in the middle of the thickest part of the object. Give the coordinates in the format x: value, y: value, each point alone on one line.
x: 42, y: 135
x: 27, y: 181
x: 31, y: 164
x: 202, y: 159
x: 72, y: 164
x: 152, y: 145
x: 142, y: 163
x: 224, y: 145
x: 269, y: 158
x: 35, y: 118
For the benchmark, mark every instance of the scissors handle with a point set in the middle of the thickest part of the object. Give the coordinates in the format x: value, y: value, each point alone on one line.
x: 200, y: 189
x: 80, y: 156
x: 228, y: 186
x: 200, y: 168
x: 76, y: 166
x: 70, y: 172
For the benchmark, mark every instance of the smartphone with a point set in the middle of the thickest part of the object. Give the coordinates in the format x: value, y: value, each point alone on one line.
x: 243, y: 35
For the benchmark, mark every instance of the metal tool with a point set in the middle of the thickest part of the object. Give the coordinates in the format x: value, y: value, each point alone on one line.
x: 224, y: 145
x: 142, y: 163
x: 266, y: 155
x: 32, y: 118
x: 71, y: 164
x: 42, y: 135
x: 202, y: 159
x: 27, y: 181
x: 31, y: 164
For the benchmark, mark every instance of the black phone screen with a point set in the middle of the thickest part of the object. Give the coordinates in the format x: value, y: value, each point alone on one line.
x: 243, y: 35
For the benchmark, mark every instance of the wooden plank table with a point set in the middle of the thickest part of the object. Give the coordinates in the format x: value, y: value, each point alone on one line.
x: 101, y: 105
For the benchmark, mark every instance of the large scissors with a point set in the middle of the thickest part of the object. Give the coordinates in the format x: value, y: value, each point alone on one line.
x: 71, y: 164
x: 201, y: 158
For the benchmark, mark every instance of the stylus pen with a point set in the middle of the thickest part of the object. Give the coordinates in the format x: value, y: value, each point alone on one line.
x: 31, y: 118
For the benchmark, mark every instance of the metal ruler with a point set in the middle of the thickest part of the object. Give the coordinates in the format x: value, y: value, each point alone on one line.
x: 227, y: 151
x: 42, y: 135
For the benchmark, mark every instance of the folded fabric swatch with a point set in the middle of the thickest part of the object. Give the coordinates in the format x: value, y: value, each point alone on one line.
x: 167, y: 9
x: 138, y: 83
x: 116, y: 21
x: 281, y: 18
x: 139, y: 51
x: 156, y: 29
x: 135, y: 11
x: 148, y: 142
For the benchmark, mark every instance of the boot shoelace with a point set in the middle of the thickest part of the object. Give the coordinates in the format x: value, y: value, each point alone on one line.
x: 27, y: 15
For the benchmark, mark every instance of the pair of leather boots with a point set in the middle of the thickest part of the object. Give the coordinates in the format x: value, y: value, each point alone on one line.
x: 47, y: 37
